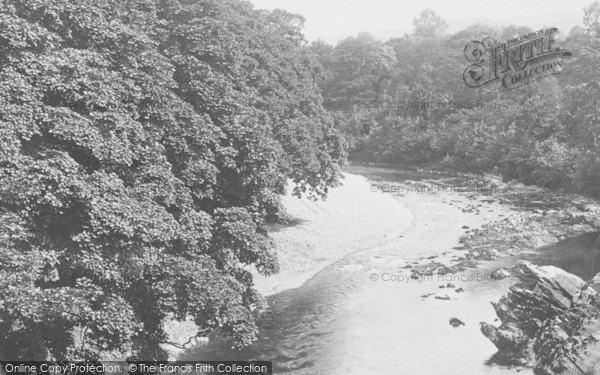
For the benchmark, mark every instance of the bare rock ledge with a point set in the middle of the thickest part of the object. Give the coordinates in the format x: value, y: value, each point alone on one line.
x: 550, y: 322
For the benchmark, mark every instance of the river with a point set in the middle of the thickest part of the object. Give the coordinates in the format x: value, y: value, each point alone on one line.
x: 363, y: 314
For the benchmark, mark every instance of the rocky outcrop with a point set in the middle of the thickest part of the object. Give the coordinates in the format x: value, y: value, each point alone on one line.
x: 500, y: 274
x: 595, y: 283
x: 440, y: 269
x: 550, y: 321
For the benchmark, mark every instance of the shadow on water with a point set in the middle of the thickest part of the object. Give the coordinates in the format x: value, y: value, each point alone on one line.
x: 575, y: 255
x: 296, y: 326
x: 301, y: 331
x: 285, y: 224
x: 391, y: 174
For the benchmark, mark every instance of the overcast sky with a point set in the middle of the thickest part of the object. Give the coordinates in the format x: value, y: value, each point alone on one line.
x: 332, y: 20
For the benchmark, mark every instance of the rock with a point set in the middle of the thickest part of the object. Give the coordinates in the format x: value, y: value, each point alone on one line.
x: 445, y: 270
x: 451, y: 286
x: 595, y: 283
x: 550, y: 321
x: 466, y: 264
x: 495, y: 182
x: 493, y: 254
x: 462, y: 265
x: 426, y: 269
x: 459, y: 290
x: 510, y: 341
x: 510, y: 252
x: 455, y: 322
x: 444, y: 298
x: 500, y: 274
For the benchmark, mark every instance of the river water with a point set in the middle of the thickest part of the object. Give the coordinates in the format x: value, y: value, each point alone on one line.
x: 364, y: 315
x: 341, y: 322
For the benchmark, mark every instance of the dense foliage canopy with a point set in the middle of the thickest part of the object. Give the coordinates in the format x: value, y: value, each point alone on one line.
x: 407, y: 106
x: 143, y: 145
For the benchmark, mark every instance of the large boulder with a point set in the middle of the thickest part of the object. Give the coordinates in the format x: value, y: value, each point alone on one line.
x: 550, y: 321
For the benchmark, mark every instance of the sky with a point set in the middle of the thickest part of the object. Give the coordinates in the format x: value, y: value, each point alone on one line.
x: 333, y: 20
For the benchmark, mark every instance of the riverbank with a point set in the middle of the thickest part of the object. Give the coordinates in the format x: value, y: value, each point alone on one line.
x: 548, y: 227
x: 351, y: 219
x: 334, y: 305
x: 366, y: 213
x: 351, y: 317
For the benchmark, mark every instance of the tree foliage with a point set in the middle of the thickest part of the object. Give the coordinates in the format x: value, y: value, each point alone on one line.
x: 143, y: 145
x: 544, y: 133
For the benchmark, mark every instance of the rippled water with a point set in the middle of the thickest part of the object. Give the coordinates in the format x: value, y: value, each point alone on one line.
x: 343, y: 322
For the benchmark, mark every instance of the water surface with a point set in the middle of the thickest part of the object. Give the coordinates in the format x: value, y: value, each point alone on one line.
x: 347, y: 320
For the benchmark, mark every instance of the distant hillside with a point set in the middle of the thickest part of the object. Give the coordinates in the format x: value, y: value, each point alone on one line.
x: 564, y: 21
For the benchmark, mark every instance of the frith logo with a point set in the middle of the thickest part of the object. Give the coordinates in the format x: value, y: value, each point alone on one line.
x: 516, y: 62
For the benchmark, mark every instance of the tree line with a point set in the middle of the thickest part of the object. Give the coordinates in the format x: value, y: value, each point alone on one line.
x: 544, y: 133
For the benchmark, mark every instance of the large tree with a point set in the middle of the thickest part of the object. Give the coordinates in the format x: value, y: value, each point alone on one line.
x: 143, y: 144
x: 429, y: 25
